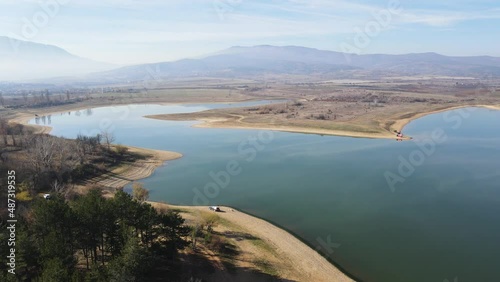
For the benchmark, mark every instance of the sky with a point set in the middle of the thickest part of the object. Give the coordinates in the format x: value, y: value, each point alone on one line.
x: 125, y: 32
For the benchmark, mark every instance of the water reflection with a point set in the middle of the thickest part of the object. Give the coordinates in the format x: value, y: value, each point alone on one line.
x: 45, y: 120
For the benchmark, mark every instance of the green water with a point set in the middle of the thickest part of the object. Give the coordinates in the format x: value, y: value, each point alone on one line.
x: 442, y: 222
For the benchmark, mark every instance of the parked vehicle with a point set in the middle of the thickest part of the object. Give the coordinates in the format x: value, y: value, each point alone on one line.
x: 215, y: 208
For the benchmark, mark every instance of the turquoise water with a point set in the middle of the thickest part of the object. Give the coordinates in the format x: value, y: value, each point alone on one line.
x: 439, y: 219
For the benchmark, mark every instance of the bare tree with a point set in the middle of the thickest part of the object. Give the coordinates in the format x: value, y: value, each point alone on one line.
x: 108, y: 138
x: 139, y: 193
x: 16, y: 132
x: 47, y: 95
x: 40, y: 151
x: 47, y: 154
x: 3, y: 130
x: 58, y: 187
x: 87, y: 145
x: 66, y: 158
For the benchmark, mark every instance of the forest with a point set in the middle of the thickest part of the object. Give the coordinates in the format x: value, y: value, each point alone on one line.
x: 73, y: 236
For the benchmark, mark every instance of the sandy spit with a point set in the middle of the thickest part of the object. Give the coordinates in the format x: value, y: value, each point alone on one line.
x: 306, y: 264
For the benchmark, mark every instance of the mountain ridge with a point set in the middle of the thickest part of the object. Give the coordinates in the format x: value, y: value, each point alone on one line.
x: 251, y: 61
x: 242, y: 62
x: 25, y: 60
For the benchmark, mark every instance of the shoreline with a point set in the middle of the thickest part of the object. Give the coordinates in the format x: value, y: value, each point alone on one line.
x: 303, y: 257
x: 302, y: 262
x: 125, y: 174
x: 24, y: 116
x: 303, y: 130
x: 300, y: 255
x: 399, y: 124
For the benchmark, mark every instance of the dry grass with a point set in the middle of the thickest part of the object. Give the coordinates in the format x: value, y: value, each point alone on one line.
x: 361, y: 109
x: 260, y: 248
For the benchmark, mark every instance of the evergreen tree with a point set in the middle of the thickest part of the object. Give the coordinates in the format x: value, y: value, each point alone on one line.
x: 53, y: 230
x: 133, y: 264
x: 55, y: 270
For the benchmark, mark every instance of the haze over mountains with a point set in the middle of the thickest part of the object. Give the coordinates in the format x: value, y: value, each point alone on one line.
x: 26, y: 60
x: 261, y: 60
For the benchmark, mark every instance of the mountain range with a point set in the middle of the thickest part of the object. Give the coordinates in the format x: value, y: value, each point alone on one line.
x: 24, y: 60
x: 32, y: 59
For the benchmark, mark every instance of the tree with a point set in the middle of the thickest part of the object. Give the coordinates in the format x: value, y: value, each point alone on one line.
x: 87, y: 145
x: 108, y: 138
x: 28, y: 257
x: 4, y: 130
x: 132, y: 265
x: 50, y: 156
x: 120, y: 238
x: 93, y: 216
x: 47, y: 95
x: 170, y: 234
x: 54, y: 270
x: 17, y: 130
x: 41, y: 150
x: 46, y: 241
x: 139, y: 193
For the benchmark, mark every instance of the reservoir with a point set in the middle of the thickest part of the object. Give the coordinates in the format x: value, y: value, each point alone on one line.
x: 384, y: 211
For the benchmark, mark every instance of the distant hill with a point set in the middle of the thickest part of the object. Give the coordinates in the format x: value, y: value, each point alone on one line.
x: 24, y: 60
x: 263, y: 60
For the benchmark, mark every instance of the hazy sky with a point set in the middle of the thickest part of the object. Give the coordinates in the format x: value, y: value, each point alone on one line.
x: 133, y: 31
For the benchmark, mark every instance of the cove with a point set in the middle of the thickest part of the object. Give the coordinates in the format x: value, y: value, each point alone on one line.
x: 440, y: 222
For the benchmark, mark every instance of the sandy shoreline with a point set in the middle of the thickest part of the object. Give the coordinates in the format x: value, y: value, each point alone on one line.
x: 309, y: 265
x: 25, y: 116
x: 123, y: 175
x: 401, y: 123
x: 398, y: 125
x: 214, y: 124
x: 300, y: 261
x: 119, y: 177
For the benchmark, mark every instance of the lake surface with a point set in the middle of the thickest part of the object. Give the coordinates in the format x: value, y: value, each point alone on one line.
x: 385, y: 211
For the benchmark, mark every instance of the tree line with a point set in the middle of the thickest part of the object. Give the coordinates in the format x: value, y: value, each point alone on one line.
x: 93, y: 238
x: 49, y: 163
x: 73, y: 237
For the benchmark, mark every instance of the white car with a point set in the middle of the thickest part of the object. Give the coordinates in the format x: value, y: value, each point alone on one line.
x: 46, y: 196
x: 215, y: 208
